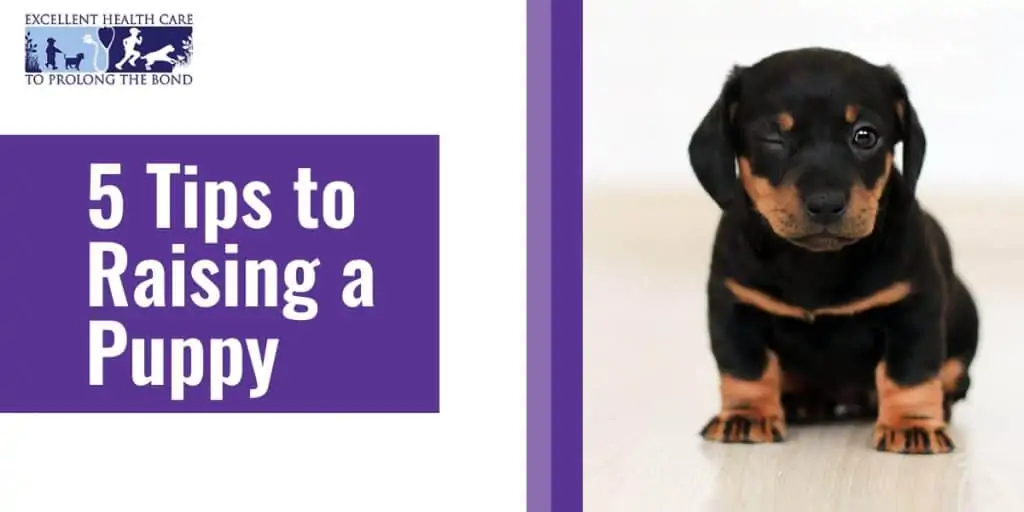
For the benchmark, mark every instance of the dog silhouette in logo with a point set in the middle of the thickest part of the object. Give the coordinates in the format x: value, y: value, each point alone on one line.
x: 161, y: 55
x: 51, y: 53
x: 130, y: 53
x: 73, y: 62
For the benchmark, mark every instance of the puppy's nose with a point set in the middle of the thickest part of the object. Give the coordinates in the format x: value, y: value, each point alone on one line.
x: 826, y: 207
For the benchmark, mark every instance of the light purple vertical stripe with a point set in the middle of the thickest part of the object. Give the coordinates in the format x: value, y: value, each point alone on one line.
x: 538, y: 255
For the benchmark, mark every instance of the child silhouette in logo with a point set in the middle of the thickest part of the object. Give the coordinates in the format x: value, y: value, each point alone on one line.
x: 130, y: 53
x: 51, y: 53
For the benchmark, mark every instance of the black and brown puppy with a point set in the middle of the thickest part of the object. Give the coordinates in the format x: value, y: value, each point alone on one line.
x: 830, y: 289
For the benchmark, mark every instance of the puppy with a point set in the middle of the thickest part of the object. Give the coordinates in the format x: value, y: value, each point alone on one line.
x: 73, y: 62
x: 830, y: 289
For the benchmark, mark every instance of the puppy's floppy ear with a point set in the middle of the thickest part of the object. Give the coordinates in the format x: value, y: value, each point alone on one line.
x: 712, y: 145
x: 911, y: 131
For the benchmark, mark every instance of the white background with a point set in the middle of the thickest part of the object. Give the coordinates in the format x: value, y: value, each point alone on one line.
x: 449, y: 67
x: 652, y: 68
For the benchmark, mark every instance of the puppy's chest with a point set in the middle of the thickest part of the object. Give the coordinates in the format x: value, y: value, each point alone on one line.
x: 840, y: 349
x: 813, y: 284
x: 830, y: 334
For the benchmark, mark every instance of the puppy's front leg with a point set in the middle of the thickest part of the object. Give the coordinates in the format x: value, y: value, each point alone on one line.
x: 910, y: 397
x: 750, y: 378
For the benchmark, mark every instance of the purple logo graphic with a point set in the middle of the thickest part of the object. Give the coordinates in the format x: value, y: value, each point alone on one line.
x: 105, y: 49
x: 220, y: 274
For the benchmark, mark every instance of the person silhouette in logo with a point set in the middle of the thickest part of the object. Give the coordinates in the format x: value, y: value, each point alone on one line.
x: 51, y: 53
x: 130, y: 53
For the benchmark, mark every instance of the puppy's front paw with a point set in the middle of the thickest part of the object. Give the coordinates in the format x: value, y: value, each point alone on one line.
x: 745, y: 427
x: 910, y: 418
x: 910, y: 437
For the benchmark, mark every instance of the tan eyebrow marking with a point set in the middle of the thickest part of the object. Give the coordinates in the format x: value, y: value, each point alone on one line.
x: 786, y: 121
x: 851, y: 113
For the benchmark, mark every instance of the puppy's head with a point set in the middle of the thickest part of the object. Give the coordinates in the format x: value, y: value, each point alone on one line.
x: 813, y: 133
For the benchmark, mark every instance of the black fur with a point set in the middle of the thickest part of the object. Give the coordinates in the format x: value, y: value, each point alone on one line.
x: 835, y: 355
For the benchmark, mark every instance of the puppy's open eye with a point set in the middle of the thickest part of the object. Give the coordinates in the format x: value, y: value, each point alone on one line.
x: 865, y: 138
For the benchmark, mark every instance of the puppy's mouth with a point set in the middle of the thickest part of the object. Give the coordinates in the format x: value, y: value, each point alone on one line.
x: 823, y: 242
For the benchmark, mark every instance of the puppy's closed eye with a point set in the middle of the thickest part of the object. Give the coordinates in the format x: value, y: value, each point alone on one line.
x: 772, y: 141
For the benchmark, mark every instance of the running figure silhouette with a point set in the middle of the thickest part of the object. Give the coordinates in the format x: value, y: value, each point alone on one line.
x: 130, y: 53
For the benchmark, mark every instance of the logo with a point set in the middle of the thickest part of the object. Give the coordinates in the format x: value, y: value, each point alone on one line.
x: 108, y: 49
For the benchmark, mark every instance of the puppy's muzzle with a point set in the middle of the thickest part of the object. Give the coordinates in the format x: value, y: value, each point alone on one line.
x: 825, y: 213
x: 830, y: 214
x: 826, y: 207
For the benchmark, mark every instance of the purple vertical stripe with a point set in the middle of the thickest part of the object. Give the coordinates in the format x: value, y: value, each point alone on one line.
x: 567, y: 254
x: 538, y: 255
x: 555, y: 255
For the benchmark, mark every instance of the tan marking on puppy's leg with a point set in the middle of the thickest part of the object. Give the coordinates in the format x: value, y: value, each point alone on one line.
x: 779, y: 205
x: 885, y: 297
x: 950, y: 373
x: 910, y: 418
x: 765, y: 302
x: 751, y: 409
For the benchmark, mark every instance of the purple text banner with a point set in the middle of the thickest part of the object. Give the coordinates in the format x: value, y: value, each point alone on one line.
x: 219, y: 273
